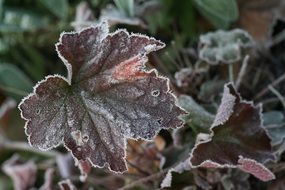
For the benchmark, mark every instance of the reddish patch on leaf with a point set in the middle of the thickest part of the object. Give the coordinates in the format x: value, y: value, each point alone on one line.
x: 129, y: 70
x: 256, y: 169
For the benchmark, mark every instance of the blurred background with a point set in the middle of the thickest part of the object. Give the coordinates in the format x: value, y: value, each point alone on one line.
x: 29, y: 30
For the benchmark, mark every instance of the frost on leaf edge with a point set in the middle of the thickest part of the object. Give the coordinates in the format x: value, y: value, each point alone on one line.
x: 211, y: 164
x: 35, y: 94
x: 105, y: 28
x: 67, y: 79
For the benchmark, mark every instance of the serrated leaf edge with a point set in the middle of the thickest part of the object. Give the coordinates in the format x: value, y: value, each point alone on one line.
x: 68, y: 80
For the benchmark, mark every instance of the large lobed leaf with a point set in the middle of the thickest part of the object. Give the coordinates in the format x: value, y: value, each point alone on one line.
x: 106, y: 97
x: 238, y: 138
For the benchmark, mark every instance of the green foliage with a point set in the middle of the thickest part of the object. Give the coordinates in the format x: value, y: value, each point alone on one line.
x: 58, y: 7
x: 224, y: 46
x: 20, y: 20
x: 274, y: 121
x: 126, y: 7
x: 13, y: 82
x: 197, y: 116
x: 219, y: 12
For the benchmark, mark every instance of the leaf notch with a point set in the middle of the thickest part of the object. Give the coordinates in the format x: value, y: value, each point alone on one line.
x: 108, y: 96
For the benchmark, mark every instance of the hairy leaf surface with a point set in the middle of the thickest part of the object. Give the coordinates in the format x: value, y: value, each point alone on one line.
x: 224, y: 46
x: 238, y: 138
x: 106, y: 97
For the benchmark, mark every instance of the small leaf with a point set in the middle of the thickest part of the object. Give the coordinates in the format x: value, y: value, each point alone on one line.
x: 13, y: 82
x: 224, y: 46
x: 58, y: 7
x: 274, y: 121
x: 255, y: 168
x: 107, y: 96
x: 177, y: 157
x: 22, y: 174
x: 238, y: 138
x: 219, y: 12
x: 197, y: 114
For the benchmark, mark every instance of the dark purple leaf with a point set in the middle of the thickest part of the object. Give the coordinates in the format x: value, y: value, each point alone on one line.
x: 238, y: 138
x: 107, y: 96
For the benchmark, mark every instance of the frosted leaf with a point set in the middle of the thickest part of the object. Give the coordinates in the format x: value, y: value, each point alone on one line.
x: 177, y: 157
x: 166, y: 182
x: 255, y: 168
x: 236, y: 133
x: 106, y: 97
x: 274, y: 121
x: 197, y: 114
x: 179, y: 168
x: 226, y: 107
x: 22, y: 174
x: 224, y: 46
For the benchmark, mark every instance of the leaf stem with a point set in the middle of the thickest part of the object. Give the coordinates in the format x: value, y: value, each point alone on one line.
x: 242, y: 71
x: 22, y: 146
x: 279, y: 96
x: 266, y: 89
x: 13, y: 90
x: 231, y: 72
